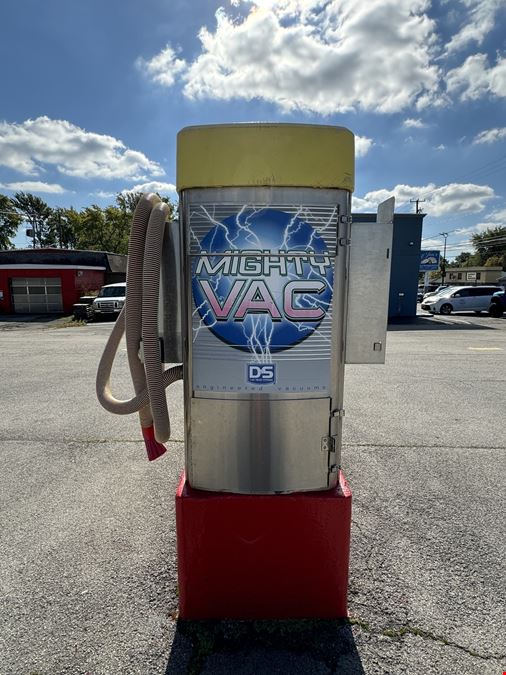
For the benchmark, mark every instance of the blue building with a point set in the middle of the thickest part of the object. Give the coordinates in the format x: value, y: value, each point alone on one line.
x: 406, y: 247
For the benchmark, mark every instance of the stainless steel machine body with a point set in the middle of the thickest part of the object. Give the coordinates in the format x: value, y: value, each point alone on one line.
x: 262, y: 272
x: 262, y: 390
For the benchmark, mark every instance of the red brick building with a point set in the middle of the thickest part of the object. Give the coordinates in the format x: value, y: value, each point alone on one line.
x: 50, y: 280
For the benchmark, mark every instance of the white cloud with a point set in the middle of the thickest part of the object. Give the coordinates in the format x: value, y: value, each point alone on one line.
x: 411, y: 123
x: 491, y: 135
x: 473, y: 229
x: 362, y: 145
x: 477, y: 22
x: 497, y: 215
x: 33, y: 186
x: 490, y: 225
x: 441, y: 146
x: 102, y: 194
x: 313, y: 56
x: 453, y: 198
x: 474, y: 78
x: 26, y: 147
x: 153, y: 186
x: 436, y: 244
x: 164, y: 67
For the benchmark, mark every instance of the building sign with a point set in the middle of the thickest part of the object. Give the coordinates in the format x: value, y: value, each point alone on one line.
x: 429, y: 260
x: 471, y: 276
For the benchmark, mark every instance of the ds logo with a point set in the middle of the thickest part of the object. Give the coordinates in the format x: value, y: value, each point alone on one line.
x: 261, y: 374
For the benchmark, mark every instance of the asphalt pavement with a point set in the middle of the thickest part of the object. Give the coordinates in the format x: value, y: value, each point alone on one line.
x: 88, y: 554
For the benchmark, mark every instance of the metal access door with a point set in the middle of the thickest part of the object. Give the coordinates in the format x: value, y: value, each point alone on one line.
x: 368, y: 287
x: 36, y: 295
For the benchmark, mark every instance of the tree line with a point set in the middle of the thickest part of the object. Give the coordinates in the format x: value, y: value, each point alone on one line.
x: 489, y: 250
x: 107, y: 228
x: 93, y: 228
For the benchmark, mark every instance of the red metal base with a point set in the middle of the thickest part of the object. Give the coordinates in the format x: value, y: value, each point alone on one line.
x: 263, y: 556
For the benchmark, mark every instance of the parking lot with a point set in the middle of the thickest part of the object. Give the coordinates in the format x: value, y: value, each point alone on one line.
x: 88, y: 556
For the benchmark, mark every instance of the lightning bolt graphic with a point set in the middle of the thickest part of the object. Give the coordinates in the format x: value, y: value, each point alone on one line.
x: 258, y: 329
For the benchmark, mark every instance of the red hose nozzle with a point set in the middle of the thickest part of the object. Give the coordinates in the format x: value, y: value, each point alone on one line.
x: 153, y: 447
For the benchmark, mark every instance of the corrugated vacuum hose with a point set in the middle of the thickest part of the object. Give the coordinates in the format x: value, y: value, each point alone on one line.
x: 139, y: 321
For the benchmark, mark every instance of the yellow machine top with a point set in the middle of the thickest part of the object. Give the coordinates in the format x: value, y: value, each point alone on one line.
x: 265, y: 154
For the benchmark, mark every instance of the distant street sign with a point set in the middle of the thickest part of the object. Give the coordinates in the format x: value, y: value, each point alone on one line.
x: 429, y: 260
x: 471, y: 276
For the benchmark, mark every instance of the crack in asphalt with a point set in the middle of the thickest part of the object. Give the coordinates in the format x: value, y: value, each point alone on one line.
x: 406, y: 629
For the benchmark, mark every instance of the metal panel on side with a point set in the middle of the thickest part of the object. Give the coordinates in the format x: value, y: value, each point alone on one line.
x: 368, y: 287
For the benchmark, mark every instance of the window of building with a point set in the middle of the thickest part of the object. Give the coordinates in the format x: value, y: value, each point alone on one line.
x: 478, y: 275
x: 459, y: 275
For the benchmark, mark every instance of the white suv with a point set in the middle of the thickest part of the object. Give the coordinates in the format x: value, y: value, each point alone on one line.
x: 460, y: 299
x: 109, y: 300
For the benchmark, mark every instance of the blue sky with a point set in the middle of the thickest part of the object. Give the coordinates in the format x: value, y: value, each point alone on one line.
x: 95, y: 92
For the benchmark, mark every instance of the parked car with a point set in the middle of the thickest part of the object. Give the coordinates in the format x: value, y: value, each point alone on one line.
x: 460, y: 299
x: 83, y: 310
x: 109, y: 300
x: 436, y: 291
x: 497, y: 304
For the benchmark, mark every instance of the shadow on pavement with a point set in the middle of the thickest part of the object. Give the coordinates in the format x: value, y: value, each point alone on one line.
x: 29, y: 318
x: 440, y: 323
x: 284, y: 647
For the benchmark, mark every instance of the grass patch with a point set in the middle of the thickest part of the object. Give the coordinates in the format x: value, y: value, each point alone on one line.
x: 68, y: 322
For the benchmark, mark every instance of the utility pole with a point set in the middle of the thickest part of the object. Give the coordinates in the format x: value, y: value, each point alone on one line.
x: 443, y: 262
x: 416, y: 202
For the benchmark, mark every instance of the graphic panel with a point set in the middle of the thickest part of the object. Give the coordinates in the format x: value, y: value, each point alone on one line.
x: 262, y: 281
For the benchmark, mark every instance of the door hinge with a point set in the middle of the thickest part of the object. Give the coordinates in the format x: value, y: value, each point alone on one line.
x: 346, y: 219
x: 344, y: 241
x: 338, y: 412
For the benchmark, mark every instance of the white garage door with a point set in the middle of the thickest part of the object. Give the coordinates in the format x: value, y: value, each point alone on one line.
x: 37, y: 296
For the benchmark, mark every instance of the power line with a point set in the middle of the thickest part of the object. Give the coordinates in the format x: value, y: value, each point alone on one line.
x: 471, y: 245
x: 434, y: 235
x: 469, y: 242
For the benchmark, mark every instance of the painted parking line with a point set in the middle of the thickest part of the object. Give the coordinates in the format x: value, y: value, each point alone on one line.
x: 452, y: 321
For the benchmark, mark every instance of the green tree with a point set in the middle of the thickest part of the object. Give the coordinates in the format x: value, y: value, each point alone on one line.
x: 93, y: 228
x: 9, y: 222
x: 36, y: 213
x: 104, y: 229
x: 462, y: 260
x: 495, y: 261
x: 127, y: 201
x: 62, y: 228
x: 90, y: 228
x: 490, y: 243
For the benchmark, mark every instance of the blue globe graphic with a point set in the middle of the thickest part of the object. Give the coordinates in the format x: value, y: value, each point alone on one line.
x: 263, y: 230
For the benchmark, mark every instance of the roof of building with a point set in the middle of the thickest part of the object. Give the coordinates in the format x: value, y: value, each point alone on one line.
x: 112, y: 262
x: 367, y: 217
